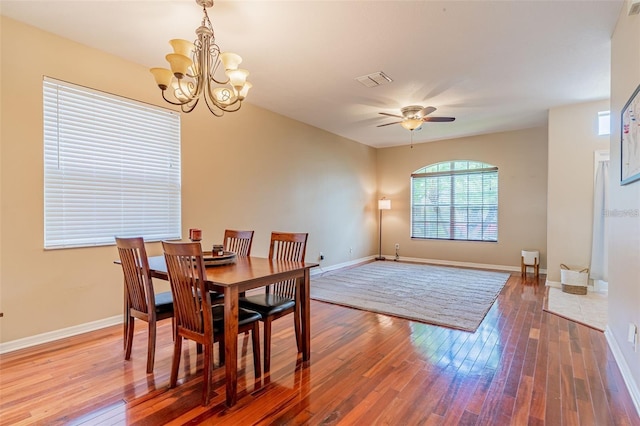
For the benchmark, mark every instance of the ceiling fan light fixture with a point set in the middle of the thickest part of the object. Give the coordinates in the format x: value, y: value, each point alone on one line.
x: 411, y: 123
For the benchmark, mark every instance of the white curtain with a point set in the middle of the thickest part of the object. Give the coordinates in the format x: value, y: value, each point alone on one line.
x: 599, y: 257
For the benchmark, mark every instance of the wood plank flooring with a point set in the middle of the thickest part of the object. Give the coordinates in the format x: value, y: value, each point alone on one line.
x: 522, y: 366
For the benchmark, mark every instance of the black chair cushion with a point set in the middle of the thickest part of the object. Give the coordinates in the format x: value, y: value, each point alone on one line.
x: 245, y: 316
x: 215, y: 296
x: 267, y: 304
x: 164, y: 302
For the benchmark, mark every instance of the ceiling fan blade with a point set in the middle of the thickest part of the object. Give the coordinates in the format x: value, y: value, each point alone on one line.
x: 425, y: 111
x: 391, y: 115
x: 388, y: 124
x: 438, y: 119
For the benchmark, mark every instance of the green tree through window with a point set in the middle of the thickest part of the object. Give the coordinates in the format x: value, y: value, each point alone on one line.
x: 455, y: 200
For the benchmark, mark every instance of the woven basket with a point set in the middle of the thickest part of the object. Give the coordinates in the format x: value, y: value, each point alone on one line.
x: 574, y: 281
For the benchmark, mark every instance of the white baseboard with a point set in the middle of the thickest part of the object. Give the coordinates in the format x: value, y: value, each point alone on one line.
x: 464, y: 264
x: 321, y: 269
x: 554, y: 284
x: 601, y: 288
x: 632, y: 386
x: 50, y: 336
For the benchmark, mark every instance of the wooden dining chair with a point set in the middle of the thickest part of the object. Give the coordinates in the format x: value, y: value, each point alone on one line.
x: 238, y: 242
x: 140, y: 299
x: 195, y: 318
x: 279, y: 299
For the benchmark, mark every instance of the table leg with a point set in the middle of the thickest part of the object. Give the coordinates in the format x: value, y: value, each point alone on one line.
x: 231, y: 343
x: 305, y: 315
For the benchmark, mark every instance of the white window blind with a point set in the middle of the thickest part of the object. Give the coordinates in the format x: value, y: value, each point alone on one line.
x: 455, y: 200
x: 111, y: 168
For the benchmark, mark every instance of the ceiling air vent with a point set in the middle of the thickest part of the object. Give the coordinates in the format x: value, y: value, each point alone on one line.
x: 375, y: 79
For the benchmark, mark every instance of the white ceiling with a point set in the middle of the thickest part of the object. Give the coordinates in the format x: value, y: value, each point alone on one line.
x: 494, y: 65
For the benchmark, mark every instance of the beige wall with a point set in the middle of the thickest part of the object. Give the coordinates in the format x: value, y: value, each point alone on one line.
x: 624, y: 231
x: 252, y: 169
x: 573, y: 139
x: 521, y: 158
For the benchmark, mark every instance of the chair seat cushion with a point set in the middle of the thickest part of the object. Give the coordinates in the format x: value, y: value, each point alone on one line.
x: 245, y: 316
x: 215, y: 296
x: 164, y: 302
x: 267, y: 304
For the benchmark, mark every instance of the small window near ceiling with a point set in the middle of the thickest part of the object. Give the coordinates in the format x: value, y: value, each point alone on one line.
x: 455, y: 200
x: 604, y: 123
x: 111, y: 168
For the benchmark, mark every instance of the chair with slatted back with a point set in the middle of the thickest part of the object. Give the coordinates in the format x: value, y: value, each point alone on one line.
x: 195, y: 318
x: 281, y: 298
x: 140, y: 299
x: 238, y: 242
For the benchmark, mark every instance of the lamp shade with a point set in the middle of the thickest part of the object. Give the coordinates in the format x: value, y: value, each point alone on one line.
x: 245, y: 90
x: 223, y: 95
x: 384, y: 204
x: 182, y: 47
x: 179, y: 64
x: 230, y: 61
x: 237, y: 78
x: 163, y: 77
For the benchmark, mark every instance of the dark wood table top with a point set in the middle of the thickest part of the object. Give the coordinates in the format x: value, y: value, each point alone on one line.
x: 246, y: 272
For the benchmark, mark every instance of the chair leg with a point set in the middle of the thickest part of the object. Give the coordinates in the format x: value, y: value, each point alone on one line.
x: 206, y: 381
x: 151, y: 346
x: 175, y: 364
x: 297, y: 328
x: 267, y: 344
x: 128, y: 338
x: 255, y: 341
x: 523, y: 268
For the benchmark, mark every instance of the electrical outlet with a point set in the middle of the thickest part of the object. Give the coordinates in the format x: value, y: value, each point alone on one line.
x: 321, y: 256
x: 350, y: 250
x: 397, y: 246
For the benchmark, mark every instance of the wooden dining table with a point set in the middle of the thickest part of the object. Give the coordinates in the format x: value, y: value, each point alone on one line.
x: 244, y: 274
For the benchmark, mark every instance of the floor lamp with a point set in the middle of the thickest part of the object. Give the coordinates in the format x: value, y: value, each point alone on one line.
x: 383, y: 204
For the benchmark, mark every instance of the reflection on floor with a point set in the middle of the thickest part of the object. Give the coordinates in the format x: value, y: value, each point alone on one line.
x: 589, y: 309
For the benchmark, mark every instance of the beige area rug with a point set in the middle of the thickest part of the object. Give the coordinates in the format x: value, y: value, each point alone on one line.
x: 452, y: 297
x: 589, y: 309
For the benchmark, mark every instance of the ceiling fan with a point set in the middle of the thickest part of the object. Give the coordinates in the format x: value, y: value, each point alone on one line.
x: 413, y: 116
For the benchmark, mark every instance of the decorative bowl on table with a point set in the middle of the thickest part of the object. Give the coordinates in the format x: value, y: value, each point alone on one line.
x: 216, y: 259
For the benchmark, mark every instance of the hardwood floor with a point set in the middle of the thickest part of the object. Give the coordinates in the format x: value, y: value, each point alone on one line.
x: 522, y: 366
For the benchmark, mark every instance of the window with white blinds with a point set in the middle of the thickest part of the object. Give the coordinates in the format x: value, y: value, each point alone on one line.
x: 455, y: 200
x: 111, y: 168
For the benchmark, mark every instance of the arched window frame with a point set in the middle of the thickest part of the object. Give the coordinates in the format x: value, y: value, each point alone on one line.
x: 455, y: 200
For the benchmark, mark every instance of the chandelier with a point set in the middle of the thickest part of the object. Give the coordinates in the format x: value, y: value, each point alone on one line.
x: 199, y: 69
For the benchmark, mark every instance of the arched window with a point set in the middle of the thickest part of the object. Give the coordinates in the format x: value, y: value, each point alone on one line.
x: 455, y: 200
